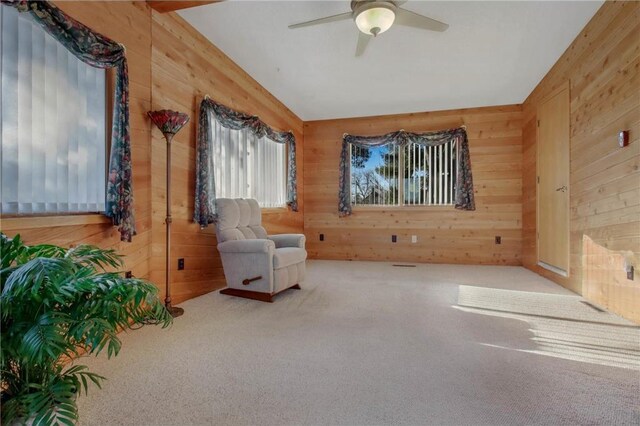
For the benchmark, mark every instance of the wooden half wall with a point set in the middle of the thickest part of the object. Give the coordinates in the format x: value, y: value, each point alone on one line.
x: 445, y: 235
x: 602, y: 66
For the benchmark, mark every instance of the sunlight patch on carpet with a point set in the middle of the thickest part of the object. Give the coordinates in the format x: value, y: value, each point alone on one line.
x: 561, y: 325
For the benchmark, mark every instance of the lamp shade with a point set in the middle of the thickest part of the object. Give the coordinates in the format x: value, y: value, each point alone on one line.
x: 168, y: 121
x: 375, y: 20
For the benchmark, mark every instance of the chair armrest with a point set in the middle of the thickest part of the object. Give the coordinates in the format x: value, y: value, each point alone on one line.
x: 247, y: 246
x: 288, y: 240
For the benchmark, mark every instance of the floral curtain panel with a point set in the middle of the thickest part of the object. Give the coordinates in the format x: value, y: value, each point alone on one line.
x: 101, y: 52
x: 464, y: 199
x: 205, y: 197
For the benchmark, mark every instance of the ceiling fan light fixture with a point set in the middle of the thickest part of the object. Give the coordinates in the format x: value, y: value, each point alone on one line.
x: 376, y: 19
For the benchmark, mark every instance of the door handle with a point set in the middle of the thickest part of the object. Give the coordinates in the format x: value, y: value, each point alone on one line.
x: 563, y: 188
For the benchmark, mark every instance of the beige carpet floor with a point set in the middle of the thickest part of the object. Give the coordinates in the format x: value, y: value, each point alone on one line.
x: 366, y: 343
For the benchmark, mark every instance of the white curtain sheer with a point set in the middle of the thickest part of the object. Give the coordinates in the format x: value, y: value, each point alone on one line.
x: 249, y: 167
x: 53, y: 124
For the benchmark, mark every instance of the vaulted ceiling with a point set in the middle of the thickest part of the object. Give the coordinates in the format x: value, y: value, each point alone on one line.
x: 493, y: 53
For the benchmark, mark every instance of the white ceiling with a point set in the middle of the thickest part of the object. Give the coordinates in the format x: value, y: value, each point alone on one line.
x: 494, y: 53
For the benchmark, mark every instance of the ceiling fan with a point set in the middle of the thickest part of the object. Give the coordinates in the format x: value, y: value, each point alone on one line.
x: 373, y: 17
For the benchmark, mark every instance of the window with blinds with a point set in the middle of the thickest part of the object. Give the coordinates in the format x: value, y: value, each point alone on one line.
x: 53, y: 108
x: 249, y: 167
x: 412, y: 175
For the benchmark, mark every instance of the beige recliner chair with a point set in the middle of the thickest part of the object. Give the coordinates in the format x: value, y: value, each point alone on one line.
x: 256, y: 265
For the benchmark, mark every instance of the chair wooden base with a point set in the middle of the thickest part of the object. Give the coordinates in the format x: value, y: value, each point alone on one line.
x: 247, y: 294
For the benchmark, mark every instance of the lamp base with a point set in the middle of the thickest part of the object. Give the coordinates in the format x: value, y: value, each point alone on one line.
x: 175, y: 311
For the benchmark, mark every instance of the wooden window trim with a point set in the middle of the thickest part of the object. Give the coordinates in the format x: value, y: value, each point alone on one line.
x: 274, y: 210
x: 16, y: 223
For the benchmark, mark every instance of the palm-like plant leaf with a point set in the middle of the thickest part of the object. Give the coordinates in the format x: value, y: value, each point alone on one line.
x: 53, y: 302
x: 31, y: 276
x: 92, y: 256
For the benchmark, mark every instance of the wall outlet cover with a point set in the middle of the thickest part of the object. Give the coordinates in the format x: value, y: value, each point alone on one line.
x: 180, y: 264
x: 394, y: 238
x: 623, y: 138
x: 414, y: 239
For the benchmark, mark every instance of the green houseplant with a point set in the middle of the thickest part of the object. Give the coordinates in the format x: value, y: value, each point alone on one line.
x: 56, y: 305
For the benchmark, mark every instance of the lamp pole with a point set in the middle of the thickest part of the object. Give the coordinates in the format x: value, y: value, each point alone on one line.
x: 169, y: 122
x: 175, y: 311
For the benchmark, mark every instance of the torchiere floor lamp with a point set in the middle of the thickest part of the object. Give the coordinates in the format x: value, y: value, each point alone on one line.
x: 169, y: 122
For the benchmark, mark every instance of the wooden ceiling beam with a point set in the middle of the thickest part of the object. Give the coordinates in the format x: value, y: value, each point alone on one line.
x: 164, y: 6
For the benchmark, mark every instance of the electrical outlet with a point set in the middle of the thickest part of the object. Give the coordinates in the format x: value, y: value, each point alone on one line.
x: 128, y: 274
x: 414, y: 239
x: 180, y: 264
x: 630, y: 272
x: 394, y: 238
x: 321, y: 237
x: 498, y: 239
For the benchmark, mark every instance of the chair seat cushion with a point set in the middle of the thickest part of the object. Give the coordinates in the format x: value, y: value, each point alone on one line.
x: 287, y: 256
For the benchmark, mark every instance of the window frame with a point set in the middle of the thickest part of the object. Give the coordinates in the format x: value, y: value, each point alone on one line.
x: 403, y: 206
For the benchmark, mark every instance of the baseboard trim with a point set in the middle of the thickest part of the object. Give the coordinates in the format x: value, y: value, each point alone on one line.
x: 554, y: 269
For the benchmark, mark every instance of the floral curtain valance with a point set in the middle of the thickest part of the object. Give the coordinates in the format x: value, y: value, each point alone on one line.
x: 464, y: 199
x: 205, y: 197
x: 101, y: 52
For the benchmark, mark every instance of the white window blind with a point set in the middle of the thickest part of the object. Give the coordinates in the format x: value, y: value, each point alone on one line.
x: 427, y: 175
x: 53, y: 124
x: 249, y: 167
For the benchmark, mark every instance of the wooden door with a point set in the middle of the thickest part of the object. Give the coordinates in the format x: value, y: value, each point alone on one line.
x: 553, y: 181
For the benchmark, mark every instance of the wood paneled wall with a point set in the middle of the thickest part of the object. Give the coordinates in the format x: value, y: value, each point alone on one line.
x: 130, y: 24
x: 170, y: 66
x: 185, y: 67
x: 602, y: 67
x: 445, y: 235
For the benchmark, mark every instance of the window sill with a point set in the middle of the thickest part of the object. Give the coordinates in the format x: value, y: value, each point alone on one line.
x: 30, y: 222
x: 273, y: 210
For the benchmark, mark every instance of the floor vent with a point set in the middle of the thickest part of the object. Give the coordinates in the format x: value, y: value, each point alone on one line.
x: 405, y: 266
x: 592, y: 306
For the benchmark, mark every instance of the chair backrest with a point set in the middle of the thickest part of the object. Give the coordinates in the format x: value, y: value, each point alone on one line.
x: 239, y: 219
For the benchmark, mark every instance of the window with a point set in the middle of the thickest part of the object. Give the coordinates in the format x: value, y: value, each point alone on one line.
x: 53, y: 133
x: 412, y: 175
x: 249, y: 167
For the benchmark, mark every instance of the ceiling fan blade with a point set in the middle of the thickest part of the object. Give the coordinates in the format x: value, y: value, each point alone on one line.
x: 333, y: 18
x: 411, y: 19
x: 363, y: 41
